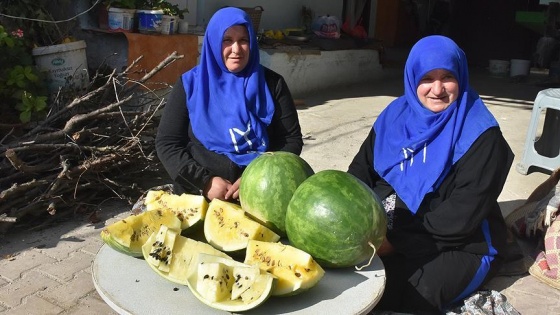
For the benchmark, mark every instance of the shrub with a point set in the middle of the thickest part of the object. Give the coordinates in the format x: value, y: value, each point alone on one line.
x: 22, y: 86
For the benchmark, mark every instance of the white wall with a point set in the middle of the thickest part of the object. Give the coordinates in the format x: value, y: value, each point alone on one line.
x: 277, y: 14
x: 305, y: 74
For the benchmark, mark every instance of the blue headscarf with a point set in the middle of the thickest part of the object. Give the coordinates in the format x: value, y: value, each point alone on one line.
x: 229, y: 112
x: 415, y: 147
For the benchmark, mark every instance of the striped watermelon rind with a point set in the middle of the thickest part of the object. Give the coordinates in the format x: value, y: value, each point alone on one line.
x: 334, y: 217
x: 267, y: 185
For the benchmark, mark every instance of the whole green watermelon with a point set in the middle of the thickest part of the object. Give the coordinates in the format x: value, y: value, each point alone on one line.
x: 334, y: 217
x: 267, y: 185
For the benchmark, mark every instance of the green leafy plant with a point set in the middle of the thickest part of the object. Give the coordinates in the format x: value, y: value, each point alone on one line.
x: 31, y: 105
x: 173, y: 9
x: 167, y: 7
x: 22, y: 86
x: 19, y: 76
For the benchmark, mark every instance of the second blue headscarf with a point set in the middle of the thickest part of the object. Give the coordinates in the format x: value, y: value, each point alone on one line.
x: 229, y: 112
x: 414, y: 147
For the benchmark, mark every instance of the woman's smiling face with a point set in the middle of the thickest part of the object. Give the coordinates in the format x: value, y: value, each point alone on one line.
x: 437, y: 90
x: 235, y: 48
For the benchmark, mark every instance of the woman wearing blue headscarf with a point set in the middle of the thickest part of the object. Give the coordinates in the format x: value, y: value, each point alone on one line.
x: 438, y: 160
x: 224, y: 112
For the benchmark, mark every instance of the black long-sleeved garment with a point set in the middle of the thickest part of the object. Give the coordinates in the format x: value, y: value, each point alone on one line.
x: 439, y: 249
x: 190, y: 165
x: 451, y: 216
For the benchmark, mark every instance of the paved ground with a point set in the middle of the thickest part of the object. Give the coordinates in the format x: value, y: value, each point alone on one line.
x: 48, y: 271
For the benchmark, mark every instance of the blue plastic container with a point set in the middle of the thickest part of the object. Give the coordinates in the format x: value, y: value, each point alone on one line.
x: 149, y: 21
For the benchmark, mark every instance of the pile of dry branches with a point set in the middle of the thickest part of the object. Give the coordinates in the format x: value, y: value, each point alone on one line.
x: 91, y: 148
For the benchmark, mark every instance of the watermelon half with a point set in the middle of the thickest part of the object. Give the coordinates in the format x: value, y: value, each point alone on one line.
x: 267, y: 185
x: 336, y: 218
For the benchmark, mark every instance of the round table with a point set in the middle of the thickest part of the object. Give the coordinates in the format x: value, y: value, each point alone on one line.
x: 130, y: 286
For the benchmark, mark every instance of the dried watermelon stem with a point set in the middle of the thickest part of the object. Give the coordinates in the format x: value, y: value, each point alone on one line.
x: 370, y: 259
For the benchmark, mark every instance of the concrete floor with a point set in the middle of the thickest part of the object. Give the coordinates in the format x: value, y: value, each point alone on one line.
x: 49, y: 271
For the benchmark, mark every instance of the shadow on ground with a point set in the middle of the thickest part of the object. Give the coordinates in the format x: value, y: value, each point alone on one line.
x: 48, y: 231
x: 511, y: 91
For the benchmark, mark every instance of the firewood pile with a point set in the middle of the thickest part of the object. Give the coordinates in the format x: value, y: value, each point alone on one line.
x: 91, y: 148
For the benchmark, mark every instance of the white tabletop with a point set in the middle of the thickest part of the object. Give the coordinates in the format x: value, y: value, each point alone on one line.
x: 130, y: 286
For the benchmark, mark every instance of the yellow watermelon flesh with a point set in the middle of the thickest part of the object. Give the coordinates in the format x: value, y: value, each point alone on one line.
x: 129, y: 234
x: 190, y: 209
x: 183, y: 252
x: 256, y: 292
x: 227, y: 228
x: 295, y: 269
x: 214, y: 280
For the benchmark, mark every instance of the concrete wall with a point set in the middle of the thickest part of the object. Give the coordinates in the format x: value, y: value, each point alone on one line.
x: 307, y: 73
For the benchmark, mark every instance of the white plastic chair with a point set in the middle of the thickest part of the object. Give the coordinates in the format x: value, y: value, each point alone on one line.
x: 542, y: 151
